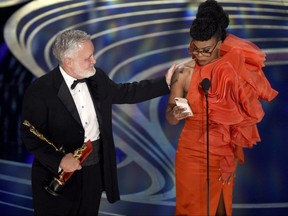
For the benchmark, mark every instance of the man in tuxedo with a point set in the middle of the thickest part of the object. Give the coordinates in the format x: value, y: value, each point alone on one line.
x: 69, y: 106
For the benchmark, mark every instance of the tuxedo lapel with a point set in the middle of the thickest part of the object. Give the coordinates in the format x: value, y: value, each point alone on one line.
x: 65, y: 96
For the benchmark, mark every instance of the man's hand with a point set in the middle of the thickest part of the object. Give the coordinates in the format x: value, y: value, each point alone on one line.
x: 69, y: 163
x: 169, y: 74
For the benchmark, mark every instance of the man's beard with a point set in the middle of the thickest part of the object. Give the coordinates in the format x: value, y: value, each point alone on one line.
x: 86, y: 73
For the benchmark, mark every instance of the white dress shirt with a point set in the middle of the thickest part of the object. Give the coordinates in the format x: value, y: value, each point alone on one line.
x: 85, y: 107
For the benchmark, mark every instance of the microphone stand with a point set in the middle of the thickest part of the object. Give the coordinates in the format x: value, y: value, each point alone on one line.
x: 206, y: 85
x: 207, y: 154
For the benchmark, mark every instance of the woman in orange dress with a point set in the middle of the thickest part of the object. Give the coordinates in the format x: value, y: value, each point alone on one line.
x: 234, y: 68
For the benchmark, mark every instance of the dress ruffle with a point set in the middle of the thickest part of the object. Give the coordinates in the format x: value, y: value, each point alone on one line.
x: 252, y: 72
x: 253, y: 86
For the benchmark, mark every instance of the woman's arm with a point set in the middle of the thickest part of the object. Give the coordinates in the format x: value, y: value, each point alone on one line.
x: 179, y: 87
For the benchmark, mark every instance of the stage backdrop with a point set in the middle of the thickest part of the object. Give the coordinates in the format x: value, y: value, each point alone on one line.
x: 137, y: 40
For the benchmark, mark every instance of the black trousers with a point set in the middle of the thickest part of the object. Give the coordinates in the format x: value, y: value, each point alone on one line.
x: 81, y: 195
x: 91, y: 191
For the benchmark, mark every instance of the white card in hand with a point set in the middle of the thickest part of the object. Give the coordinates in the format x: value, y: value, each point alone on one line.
x: 182, y: 102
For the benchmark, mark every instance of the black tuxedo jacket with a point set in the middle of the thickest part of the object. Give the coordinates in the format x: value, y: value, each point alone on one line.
x: 48, y: 105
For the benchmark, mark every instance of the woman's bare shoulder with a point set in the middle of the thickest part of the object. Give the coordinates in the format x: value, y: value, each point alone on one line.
x: 183, y: 74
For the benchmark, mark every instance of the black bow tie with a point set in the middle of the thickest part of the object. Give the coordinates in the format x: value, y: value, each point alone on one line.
x: 76, y: 82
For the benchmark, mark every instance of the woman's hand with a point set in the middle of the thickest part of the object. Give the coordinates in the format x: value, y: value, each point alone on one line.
x: 228, y: 178
x: 179, y: 113
x: 175, y: 113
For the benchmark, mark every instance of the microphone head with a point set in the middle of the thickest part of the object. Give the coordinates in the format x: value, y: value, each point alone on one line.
x: 205, y: 84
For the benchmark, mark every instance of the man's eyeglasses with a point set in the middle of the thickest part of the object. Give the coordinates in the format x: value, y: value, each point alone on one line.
x: 196, y: 51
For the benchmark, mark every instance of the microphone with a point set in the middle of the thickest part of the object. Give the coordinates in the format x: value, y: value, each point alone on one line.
x: 205, y: 84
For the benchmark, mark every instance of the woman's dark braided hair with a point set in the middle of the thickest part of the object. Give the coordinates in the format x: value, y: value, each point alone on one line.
x: 211, y: 20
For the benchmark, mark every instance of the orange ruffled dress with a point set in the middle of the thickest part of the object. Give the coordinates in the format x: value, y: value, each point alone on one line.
x: 237, y: 84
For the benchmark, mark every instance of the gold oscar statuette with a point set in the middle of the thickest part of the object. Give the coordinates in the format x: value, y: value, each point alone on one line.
x: 56, y: 185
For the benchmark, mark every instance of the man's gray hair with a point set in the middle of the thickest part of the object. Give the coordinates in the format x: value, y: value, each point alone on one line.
x: 67, y: 42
